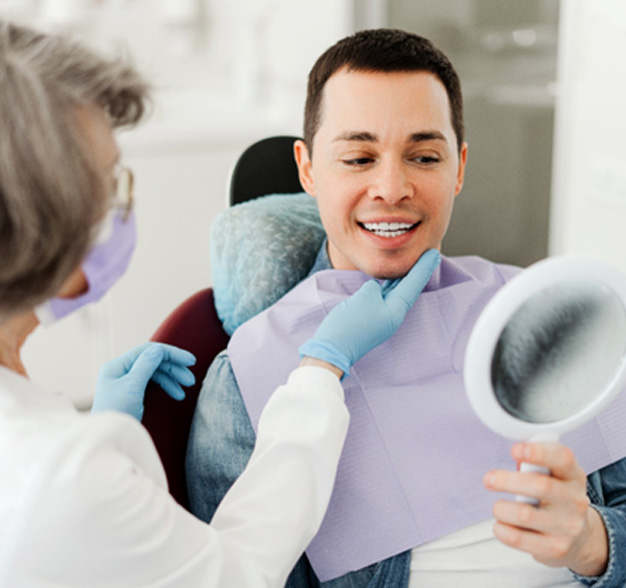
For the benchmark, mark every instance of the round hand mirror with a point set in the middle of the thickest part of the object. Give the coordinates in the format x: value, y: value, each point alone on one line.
x: 548, y: 352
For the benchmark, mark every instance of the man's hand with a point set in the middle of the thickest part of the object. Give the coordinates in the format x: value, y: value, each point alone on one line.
x: 562, y: 529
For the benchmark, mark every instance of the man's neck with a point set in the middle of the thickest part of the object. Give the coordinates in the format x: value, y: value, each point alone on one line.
x: 322, y: 261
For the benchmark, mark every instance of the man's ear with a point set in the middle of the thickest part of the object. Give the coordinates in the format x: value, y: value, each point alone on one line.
x: 460, y: 176
x: 305, y: 168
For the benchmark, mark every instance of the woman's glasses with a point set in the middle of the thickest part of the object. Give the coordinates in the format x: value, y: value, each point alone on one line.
x: 123, y: 191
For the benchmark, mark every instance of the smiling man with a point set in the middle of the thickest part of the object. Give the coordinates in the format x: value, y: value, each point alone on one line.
x: 384, y: 156
x: 385, y: 166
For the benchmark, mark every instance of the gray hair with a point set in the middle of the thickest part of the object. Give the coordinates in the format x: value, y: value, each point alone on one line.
x: 51, y: 193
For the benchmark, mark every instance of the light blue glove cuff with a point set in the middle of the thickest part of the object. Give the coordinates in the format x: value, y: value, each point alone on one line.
x: 325, y: 351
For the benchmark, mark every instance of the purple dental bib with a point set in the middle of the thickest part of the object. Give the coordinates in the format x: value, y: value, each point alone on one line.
x: 415, y: 455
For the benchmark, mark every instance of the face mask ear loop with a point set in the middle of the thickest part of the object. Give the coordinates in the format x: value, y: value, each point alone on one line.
x: 103, y: 266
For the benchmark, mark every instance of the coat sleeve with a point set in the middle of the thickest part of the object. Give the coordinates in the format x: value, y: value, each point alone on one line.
x: 100, y: 515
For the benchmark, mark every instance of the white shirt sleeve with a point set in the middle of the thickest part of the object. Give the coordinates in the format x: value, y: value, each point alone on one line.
x: 271, y: 513
x: 98, y: 513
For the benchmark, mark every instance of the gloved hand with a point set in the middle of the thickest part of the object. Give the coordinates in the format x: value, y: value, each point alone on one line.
x: 369, y: 317
x: 122, y: 382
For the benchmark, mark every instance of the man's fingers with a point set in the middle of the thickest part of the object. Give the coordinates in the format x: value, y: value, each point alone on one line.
x: 532, y: 485
x: 523, y: 515
x: 523, y: 540
x: 557, y: 458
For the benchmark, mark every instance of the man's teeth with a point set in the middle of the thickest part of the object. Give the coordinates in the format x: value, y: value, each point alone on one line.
x: 388, y: 229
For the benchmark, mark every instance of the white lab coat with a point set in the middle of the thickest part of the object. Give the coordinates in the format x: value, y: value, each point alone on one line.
x: 84, y: 501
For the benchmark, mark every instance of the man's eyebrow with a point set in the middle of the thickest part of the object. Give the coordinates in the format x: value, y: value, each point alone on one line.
x: 367, y: 137
x: 362, y: 136
x: 427, y: 136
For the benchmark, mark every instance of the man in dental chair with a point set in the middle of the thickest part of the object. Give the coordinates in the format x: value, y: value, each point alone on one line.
x: 423, y: 494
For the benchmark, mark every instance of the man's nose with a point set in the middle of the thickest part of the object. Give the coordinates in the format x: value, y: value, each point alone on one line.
x: 391, y: 182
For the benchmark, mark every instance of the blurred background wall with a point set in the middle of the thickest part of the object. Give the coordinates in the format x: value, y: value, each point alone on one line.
x: 506, y: 54
x: 544, y: 121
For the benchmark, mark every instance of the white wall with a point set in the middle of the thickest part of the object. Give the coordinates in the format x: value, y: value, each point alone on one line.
x: 589, y: 192
x: 203, y: 119
x: 206, y: 112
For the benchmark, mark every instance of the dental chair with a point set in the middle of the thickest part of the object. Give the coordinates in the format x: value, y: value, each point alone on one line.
x: 265, y: 167
x: 195, y: 326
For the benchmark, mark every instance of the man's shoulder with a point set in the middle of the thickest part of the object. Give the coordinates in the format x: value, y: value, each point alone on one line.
x: 220, y: 409
x: 221, y: 439
x: 220, y: 384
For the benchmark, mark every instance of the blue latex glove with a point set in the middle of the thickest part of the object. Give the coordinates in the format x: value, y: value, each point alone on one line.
x: 122, y: 381
x: 369, y: 317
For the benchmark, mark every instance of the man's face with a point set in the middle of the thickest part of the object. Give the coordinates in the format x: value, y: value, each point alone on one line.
x: 385, y: 169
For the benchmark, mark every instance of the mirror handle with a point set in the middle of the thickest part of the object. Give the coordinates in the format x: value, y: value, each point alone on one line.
x: 532, y: 468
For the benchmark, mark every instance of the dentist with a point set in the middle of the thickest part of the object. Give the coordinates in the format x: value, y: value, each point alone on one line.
x: 83, y: 497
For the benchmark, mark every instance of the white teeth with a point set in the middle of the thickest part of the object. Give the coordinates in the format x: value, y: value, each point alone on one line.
x: 387, y: 226
x: 388, y: 229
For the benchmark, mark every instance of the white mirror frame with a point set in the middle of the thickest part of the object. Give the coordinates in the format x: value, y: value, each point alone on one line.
x: 489, y: 327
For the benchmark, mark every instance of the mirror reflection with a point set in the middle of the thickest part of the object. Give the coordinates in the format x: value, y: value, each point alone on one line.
x: 559, y: 351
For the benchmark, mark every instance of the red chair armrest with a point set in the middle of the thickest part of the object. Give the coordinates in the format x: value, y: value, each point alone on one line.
x: 195, y: 326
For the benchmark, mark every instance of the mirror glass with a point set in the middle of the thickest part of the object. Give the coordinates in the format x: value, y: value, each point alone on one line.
x: 559, y: 351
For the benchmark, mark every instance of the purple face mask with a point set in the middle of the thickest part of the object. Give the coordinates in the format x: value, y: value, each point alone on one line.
x: 105, y: 263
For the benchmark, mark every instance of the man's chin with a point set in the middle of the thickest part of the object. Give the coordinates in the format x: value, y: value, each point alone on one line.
x: 393, y: 268
x: 387, y: 272
x: 381, y: 267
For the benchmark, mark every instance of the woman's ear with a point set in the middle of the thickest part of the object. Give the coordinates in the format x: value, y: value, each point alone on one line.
x: 74, y: 286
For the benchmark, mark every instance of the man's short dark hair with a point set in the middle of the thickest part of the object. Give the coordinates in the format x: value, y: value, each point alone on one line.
x: 385, y: 51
